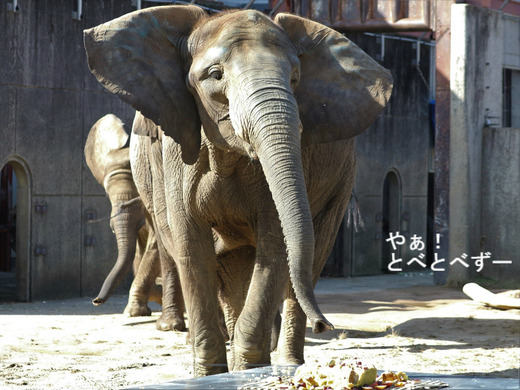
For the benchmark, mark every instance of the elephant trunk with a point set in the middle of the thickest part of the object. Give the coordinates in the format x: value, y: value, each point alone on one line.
x: 277, y: 143
x: 126, y: 236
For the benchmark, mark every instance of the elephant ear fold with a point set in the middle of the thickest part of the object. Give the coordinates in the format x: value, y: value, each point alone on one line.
x: 342, y: 89
x: 138, y: 58
x: 107, y: 135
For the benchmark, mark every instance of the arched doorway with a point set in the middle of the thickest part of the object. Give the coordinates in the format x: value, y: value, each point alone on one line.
x: 391, y: 216
x: 8, y: 188
x: 14, y: 231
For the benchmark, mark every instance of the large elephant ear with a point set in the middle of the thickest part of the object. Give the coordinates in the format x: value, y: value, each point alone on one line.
x: 342, y: 89
x: 107, y: 135
x: 138, y: 57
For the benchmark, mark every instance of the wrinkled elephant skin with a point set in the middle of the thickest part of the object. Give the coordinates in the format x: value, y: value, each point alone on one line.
x: 255, y: 199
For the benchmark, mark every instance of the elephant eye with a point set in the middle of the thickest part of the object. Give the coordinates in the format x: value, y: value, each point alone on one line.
x: 215, y: 73
x: 295, y: 79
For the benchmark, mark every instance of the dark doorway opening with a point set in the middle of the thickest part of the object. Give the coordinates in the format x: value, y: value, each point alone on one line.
x: 8, y: 206
x: 15, y: 231
x: 430, y: 233
x: 391, y: 217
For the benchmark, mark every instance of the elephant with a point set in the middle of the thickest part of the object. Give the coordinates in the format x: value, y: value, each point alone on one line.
x: 243, y: 149
x: 107, y: 156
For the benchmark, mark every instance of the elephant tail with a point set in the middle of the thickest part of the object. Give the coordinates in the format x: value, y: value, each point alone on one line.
x: 354, y: 217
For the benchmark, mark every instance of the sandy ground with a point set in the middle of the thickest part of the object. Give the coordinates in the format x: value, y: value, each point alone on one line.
x: 416, y: 328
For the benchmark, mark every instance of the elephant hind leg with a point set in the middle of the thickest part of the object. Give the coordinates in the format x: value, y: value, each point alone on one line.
x: 292, y: 331
x: 275, y: 331
x: 146, y: 270
x: 172, y: 316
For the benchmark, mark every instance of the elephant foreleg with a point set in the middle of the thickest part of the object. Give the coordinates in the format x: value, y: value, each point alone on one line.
x: 196, y: 262
x: 270, y: 275
x: 292, y: 335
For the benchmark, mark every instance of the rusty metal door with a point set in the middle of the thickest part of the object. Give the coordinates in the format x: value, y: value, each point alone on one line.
x: 368, y: 15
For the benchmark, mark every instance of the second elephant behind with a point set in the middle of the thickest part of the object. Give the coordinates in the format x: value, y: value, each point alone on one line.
x: 107, y: 156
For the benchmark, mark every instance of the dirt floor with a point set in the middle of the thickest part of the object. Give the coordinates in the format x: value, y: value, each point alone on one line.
x: 71, y: 344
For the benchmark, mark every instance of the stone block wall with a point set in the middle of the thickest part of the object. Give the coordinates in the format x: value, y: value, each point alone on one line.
x: 48, y: 101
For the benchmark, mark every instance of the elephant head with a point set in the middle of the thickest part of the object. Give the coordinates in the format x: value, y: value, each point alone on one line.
x: 108, y: 159
x: 259, y: 87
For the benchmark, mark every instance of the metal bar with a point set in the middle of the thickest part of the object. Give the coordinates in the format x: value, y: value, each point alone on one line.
x: 249, y: 4
x: 382, y: 48
x: 400, y: 38
x: 78, y: 14
x: 380, y: 26
x: 276, y: 7
x: 187, y: 3
x: 503, y: 5
x: 12, y: 6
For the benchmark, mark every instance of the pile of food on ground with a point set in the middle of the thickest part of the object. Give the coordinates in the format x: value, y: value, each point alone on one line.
x: 341, y: 374
x: 336, y: 374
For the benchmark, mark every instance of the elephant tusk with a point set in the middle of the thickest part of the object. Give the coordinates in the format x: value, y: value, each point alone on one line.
x: 130, y: 203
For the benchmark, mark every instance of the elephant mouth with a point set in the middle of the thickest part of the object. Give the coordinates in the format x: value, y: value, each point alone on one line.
x: 234, y: 140
x: 225, y: 118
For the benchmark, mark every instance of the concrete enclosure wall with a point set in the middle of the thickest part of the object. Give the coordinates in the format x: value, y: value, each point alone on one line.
x: 501, y: 202
x: 396, y: 147
x: 481, y: 49
x: 49, y: 100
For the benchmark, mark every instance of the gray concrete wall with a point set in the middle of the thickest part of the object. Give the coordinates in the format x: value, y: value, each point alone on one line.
x: 478, y: 58
x: 511, y: 50
x: 399, y: 141
x: 512, y: 62
x: 501, y: 203
x: 48, y: 101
